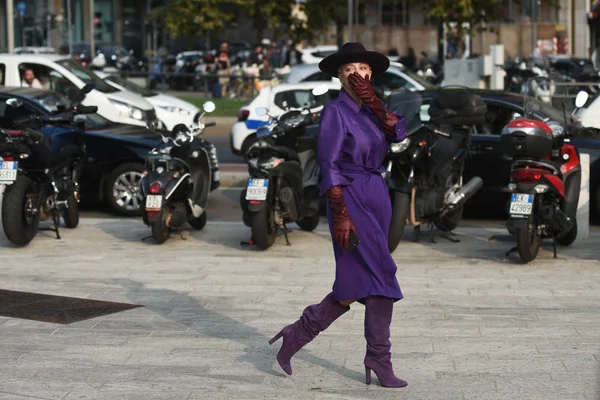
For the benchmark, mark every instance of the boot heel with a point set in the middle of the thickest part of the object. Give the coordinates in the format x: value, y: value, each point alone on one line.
x: 367, y: 375
x: 276, y: 337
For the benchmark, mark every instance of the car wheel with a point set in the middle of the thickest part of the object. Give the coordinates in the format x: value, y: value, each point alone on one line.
x: 122, y: 190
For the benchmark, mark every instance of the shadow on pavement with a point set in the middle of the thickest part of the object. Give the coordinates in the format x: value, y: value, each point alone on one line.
x: 214, y: 324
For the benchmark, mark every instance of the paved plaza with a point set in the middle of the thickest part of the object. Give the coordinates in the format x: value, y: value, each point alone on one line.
x: 472, y: 325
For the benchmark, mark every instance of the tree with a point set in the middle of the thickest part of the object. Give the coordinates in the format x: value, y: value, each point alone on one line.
x: 468, y: 15
x: 319, y: 14
x: 195, y: 17
x: 270, y: 14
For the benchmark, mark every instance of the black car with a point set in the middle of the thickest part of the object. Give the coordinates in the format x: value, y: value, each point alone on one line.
x: 494, y: 168
x: 115, y: 152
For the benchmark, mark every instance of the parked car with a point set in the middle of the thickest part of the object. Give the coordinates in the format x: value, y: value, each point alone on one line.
x: 315, y: 54
x: 276, y: 99
x: 62, y: 74
x: 488, y: 162
x: 116, y: 153
x: 170, y: 110
x: 397, y: 77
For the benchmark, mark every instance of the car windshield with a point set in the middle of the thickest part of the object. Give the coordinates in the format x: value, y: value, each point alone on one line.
x: 52, y: 102
x: 418, y: 78
x: 94, y: 121
x: 132, y: 87
x: 86, y: 75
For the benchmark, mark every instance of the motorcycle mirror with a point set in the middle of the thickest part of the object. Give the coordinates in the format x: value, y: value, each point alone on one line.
x: 581, y: 99
x: 209, y: 107
x: 260, y: 111
x: 320, y: 90
x: 14, y: 102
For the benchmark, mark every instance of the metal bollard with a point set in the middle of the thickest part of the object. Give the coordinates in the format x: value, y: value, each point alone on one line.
x: 583, y: 208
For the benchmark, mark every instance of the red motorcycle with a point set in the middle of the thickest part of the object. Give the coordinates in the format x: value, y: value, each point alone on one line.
x: 545, y: 179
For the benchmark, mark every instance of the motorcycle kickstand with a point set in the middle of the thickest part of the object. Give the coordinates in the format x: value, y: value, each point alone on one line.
x: 554, y: 246
x: 285, y: 235
x: 509, y: 252
x: 417, y: 233
x: 56, y: 219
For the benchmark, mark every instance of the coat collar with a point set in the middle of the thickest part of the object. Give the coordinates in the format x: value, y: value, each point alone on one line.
x: 348, y: 101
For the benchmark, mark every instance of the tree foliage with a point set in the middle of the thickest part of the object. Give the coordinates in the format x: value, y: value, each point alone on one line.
x: 270, y: 14
x: 196, y: 17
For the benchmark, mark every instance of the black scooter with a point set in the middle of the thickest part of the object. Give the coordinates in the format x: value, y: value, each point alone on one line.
x: 425, y: 171
x: 177, y: 180
x: 40, y: 184
x: 284, y: 175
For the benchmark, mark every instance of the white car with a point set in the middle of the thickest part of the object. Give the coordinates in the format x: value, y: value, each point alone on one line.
x: 170, y: 110
x: 63, y: 75
x: 315, y: 54
x: 395, y: 78
x: 276, y: 99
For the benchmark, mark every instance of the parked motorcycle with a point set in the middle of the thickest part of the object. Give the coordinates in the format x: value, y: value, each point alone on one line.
x: 177, y: 180
x: 40, y: 184
x: 425, y: 171
x: 284, y: 176
x: 545, y: 180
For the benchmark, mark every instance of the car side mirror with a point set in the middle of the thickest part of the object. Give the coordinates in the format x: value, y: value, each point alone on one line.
x: 581, y: 99
x: 16, y: 103
x: 87, y: 88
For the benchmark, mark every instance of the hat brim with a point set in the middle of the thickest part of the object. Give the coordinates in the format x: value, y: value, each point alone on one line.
x: 378, y: 62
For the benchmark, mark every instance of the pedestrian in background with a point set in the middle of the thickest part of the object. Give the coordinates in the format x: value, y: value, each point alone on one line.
x: 354, y: 137
x: 223, y: 63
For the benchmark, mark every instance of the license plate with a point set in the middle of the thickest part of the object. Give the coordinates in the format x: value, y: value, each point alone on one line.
x: 8, y: 172
x: 257, y: 189
x: 521, y: 204
x: 216, y: 176
x: 154, y: 202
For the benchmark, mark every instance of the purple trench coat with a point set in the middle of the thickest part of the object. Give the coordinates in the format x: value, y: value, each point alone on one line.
x: 351, y: 149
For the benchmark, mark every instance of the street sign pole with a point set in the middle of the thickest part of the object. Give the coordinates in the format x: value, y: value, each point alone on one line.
x: 92, y: 31
x: 350, y: 9
x: 69, y: 40
x: 10, y: 25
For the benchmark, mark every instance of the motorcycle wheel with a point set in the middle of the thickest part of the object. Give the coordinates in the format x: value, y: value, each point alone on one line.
x: 570, y: 237
x: 20, y: 225
x: 198, y: 223
x: 263, y: 231
x: 400, y: 211
x: 71, y: 213
x: 528, y: 244
x: 309, y: 224
x: 160, y: 230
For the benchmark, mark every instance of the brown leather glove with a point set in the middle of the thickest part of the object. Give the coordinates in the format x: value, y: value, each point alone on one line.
x: 342, y: 225
x: 363, y: 89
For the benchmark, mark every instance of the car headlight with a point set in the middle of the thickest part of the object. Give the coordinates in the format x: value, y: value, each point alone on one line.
x: 400, y: 147
x: 127, y: 110
x: 175, y: 110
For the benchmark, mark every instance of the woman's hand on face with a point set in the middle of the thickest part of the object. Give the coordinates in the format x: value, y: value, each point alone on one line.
x: 361, y: 86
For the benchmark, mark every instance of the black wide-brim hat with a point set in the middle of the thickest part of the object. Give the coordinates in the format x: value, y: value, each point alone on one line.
x: 352, y: 52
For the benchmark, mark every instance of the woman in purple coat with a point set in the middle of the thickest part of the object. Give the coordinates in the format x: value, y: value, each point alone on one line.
x: 354, y: 137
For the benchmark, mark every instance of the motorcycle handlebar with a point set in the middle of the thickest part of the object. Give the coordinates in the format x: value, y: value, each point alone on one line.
x: 85, y: 109
x: 208, y: 124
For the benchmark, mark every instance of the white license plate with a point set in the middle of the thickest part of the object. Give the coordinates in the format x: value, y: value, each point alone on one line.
x: 8, y: 172
x: 154, y: 202
x: 216, y: 176
x: 257, y: 189
x: 521, y: 204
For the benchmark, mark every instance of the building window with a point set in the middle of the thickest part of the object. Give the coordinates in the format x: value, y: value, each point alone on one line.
x: 395, y: 13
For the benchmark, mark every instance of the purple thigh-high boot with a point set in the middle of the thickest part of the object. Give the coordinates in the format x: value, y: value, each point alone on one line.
x: 378, y: 317
x: 314, y: 319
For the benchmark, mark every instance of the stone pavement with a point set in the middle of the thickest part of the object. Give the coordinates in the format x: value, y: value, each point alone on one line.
x: 472, y: 325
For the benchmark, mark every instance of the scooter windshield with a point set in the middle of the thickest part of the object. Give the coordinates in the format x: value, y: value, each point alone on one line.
x: 407, y: 104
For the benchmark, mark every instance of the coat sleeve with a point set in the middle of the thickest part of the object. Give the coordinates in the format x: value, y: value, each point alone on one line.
x: 329, y: 149
x: 399, y: 133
